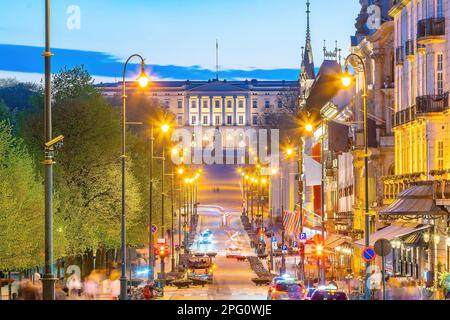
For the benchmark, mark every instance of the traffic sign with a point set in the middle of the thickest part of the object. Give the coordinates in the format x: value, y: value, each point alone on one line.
x: 303, y: 237
x: 295, y: 244
x: 162, y: 241
x: 274, y: 239
x: 383, y: 247
x: 274, y: 245
x: 369, y: 254
x: 154, y: 228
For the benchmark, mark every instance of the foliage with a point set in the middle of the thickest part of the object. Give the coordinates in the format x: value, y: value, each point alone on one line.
x: 21, y: 207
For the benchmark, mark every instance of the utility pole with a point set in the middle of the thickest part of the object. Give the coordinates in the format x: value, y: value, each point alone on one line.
x: 283, y: 229
x: 48, y: 280
x: 151, y: 266
x: 300, y: 205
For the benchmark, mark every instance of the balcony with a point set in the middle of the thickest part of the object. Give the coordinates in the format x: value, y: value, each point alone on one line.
x: 394, y: 185
x: 398, y: 6
x: 410, y: 50
x: 399, y: 55
x: 424, y: 105
x: 432, y: 103
x: 431, y: 30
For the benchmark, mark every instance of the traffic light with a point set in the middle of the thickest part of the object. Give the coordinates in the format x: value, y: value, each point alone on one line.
x: 162, y: 250
x: 319, y: 250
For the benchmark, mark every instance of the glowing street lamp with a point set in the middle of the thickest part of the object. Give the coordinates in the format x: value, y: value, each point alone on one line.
x: 346, y: 78
x: 165, y: 128
x: 143, y: 79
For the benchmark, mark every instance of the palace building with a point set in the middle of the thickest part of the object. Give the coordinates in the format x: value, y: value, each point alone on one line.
x: 214, y: 103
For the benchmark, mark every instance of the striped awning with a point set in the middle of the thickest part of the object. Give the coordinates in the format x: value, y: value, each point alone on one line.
x: 415, y: 201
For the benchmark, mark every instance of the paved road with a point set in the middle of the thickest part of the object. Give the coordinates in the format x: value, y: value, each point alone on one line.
x: 232, y: 279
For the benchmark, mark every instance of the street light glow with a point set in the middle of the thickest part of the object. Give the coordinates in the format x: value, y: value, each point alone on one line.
x: 165, y: 128
x: 143, y: 79
x: 309, y: 127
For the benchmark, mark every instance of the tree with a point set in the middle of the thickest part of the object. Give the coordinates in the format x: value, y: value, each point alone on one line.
x: 21, y: 207
x: 87, y: 175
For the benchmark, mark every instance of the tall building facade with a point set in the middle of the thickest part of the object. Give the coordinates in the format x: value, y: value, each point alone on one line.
x: 214, y: 103
x: 418, y: 191
x: 374, y: 43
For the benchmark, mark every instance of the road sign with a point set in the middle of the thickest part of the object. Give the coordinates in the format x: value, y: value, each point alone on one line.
x: 383, y: 247
x: 162, y: 241
x: 274, y: 240
x: 154, y: 228
x: 295, y: 244
x: 303, y: 237
x: 369, y: 254
x: 274, y: 245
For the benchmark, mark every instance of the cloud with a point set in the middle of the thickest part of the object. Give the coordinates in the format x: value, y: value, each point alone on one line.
x: 28, y: 59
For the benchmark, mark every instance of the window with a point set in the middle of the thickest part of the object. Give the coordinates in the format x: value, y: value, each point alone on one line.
x: 167, y: 103
x: 180, y: 104
x: 241, y: 120
x: 255, y: 119
x: 440, y: 73
x: 217, y: 104
x: 205, y: 120
x: 229, y: 120
x: 205, y: 104
x: 439, y: 8
x: 180, y: 120
x: 241, y: 104
x: 440, y: 155
x: 194, y: 104
x: 229, y: 105
x: 255, y: 104
x: 194, y: 120
x: 267, y: 104
x: 217, y: 120
x: 280, y: 104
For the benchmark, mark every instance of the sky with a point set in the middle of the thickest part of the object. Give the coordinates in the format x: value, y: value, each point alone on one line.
x: 257, y: 38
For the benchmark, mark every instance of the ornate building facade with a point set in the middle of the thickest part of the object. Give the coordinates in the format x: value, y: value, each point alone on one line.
x: 419, y: 190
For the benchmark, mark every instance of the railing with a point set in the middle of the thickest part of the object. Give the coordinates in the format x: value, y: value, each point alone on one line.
x: 409, y: 48
x: 399, y: 55
x: 394, y: 185
x: 432, y: 103
x: 430, y: 28
x: 424, y: 105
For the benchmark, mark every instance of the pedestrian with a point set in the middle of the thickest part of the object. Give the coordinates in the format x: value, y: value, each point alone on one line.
x: 74, y: 285
x: 148, y: 290
x: 27, y: 291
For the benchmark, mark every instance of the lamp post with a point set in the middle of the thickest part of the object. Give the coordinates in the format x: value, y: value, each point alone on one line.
x: 143, y: 81
x: 48, y: 280
x: 151, y: 273
x: 346, y: 81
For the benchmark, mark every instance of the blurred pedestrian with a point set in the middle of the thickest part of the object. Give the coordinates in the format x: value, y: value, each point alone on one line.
x: 74, y: 285
x: 149, y: 290
x: 27, y: 291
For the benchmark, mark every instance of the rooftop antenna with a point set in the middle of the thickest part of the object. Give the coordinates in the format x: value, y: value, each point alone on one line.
x: 217, y: 60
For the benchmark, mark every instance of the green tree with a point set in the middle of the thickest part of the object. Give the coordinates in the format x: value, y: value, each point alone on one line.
x: 87, y: 174
x: 21, y: 207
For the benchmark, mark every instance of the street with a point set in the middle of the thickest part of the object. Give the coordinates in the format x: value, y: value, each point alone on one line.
x: 232, y: 279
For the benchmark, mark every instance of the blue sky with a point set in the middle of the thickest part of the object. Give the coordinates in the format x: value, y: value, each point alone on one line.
x: 258, y: 38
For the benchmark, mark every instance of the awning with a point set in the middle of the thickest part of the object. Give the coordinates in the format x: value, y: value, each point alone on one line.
x: 415, y: 201
x: 336, y: 240
x: 392, y: 232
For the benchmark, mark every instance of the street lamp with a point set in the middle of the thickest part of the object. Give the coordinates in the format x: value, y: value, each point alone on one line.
x: 346, y: 82
x: 143, y: 79
x: 48, y: 281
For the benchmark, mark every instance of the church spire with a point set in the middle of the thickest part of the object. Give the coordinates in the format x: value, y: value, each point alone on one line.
x: 307, y: 69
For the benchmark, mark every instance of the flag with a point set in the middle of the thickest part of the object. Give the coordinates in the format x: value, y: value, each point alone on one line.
x: 313, y: 172
x: 338, y: 137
